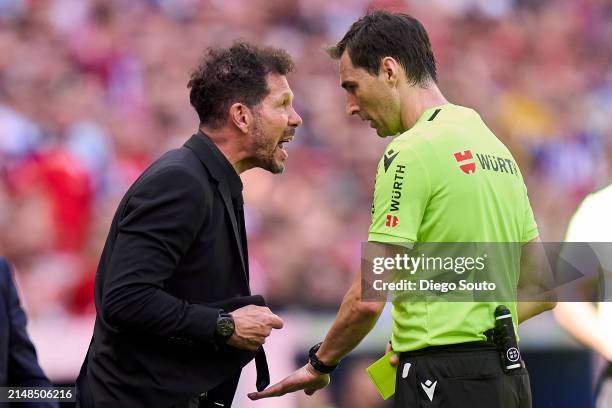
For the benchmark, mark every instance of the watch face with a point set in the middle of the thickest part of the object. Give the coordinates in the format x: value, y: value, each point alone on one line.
x: 225, y: 326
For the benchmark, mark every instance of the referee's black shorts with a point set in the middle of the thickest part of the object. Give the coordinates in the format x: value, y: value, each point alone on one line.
x: 466, y: 375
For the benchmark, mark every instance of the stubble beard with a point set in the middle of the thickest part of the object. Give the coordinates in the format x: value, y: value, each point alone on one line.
x: 264, y: 153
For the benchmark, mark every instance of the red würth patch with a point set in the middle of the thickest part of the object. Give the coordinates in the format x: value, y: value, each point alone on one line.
x: 391, y: 220
x: 466, y: 160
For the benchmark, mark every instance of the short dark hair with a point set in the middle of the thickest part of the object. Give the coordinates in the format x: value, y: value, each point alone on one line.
x: 236, y: 74
x: 382, y: 34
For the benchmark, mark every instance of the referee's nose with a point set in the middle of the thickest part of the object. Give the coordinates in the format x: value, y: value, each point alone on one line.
x: 351, y: 107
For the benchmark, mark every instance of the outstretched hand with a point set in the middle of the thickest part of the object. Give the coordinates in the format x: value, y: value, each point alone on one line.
x: 306, y: 378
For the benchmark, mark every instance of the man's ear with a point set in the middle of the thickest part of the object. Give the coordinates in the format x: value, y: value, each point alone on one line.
x: 240, y: 116
x: 390, y: 69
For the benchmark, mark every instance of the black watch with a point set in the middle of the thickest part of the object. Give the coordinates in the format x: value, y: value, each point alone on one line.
x: 316, y: 363
x: 225, y: 327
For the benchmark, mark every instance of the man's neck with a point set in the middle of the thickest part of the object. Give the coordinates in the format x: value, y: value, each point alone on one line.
x: 416, y: 101
x: 229, y: 145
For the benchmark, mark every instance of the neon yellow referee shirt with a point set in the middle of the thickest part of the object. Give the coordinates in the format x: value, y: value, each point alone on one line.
x: 448, y: 179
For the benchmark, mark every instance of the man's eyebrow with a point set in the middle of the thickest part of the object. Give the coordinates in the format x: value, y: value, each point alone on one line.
x: 346, y: 84
x: 285, y: 95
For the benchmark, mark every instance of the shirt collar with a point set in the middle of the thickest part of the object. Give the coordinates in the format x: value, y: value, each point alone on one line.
x: 231, y: 177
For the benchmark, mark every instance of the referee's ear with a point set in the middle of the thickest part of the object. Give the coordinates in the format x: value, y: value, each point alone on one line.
x: 390, y: 69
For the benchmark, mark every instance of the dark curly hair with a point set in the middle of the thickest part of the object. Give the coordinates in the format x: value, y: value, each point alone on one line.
x: 236, y: 74
x: 382, y: 34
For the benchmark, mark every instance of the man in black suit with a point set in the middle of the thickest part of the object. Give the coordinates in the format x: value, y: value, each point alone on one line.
x: 175, y: 323
x: 18, y: 363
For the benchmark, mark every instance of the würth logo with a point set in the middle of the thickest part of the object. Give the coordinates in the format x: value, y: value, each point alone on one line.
x: 391, y: 220
x: 467, y: 168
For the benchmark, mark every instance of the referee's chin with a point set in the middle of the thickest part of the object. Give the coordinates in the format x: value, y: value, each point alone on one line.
x: 382, y: 133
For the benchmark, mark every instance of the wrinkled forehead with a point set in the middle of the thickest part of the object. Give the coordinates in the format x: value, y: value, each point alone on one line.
x: 278, y: 85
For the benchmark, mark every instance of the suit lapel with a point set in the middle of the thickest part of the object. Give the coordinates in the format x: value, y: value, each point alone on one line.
x: 229, y: 207
x: 203, y: 148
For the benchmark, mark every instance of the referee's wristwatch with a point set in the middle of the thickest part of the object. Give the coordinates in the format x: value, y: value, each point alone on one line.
x: 318, y: 364
x: 225, y: 327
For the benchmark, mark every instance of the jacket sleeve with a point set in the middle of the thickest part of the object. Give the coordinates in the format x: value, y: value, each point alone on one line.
x: 23, y: 368
x: 159, y: 223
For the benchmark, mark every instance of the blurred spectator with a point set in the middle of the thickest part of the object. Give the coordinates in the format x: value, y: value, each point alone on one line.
x: 18, y: 363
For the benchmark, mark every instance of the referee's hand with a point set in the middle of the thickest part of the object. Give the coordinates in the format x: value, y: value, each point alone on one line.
x: 306, y: 378
x: 252, y: 324
x: 394, y: 359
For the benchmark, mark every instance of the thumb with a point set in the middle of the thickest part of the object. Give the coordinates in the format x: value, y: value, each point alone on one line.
x: 394, y: 360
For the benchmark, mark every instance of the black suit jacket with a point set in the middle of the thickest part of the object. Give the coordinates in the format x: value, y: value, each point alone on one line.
x: 174, y: 245
x: 18, y: 363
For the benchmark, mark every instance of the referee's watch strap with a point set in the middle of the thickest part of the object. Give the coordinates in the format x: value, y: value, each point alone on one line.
x: 318, y: 364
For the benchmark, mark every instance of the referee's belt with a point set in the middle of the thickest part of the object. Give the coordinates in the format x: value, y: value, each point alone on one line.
x: 469, y: 346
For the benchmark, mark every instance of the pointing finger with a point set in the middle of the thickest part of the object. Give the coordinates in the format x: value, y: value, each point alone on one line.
x: 275, y: 390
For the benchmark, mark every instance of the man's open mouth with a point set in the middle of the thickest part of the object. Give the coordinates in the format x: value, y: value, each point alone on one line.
x: 280, y: 145
x: 284, y: 140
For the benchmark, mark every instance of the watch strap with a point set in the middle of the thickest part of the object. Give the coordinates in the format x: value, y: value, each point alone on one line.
x: 318, y: 364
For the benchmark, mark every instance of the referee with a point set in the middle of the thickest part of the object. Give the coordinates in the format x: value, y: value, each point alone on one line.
x: 445, y: 178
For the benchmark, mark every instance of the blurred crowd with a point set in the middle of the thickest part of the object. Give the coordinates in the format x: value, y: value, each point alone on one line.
x: 91, y: 92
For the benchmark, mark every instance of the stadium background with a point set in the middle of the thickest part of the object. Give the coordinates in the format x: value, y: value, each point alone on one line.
x: 92, y: 91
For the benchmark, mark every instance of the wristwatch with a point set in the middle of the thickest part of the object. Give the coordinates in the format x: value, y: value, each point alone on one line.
x: 225, y: 327
x: 316, y: 363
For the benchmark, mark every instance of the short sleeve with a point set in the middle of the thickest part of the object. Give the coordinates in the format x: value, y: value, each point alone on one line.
x: 530, y: 227
x: 401, y: 194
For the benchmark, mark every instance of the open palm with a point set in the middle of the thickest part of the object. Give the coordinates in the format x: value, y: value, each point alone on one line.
x: 305, y: 378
